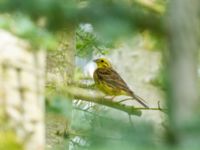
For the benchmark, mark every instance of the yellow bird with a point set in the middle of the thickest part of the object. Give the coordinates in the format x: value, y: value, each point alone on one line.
x: 109, y: 81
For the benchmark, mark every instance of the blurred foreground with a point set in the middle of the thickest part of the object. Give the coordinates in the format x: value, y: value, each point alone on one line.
x: 46, y: 49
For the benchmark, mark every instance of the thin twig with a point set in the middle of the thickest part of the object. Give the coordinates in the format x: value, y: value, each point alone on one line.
x: 130, y: 119
x: 152, y: 108
x: 125, y: 100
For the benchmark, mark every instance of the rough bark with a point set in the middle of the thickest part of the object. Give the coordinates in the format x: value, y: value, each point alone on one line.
x: 61, y: 62
x: 60, y: 72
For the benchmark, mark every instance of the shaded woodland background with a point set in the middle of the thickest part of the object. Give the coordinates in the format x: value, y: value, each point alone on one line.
x: 47, y: 96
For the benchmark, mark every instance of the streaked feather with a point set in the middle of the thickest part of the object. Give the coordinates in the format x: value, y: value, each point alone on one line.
x: 110, y: 82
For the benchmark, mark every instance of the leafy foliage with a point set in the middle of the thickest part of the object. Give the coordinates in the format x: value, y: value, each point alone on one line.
x: 22, y: 26
x: 88, y: 43
x: 107, y: 132
x: 110, y: 18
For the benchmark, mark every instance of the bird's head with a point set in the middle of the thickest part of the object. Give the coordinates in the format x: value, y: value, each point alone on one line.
x: 103, y: 63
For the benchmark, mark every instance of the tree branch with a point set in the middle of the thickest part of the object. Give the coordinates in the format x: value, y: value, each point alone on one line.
x: 96, y: 97
x: 83, y: 85
x: 82, y: 94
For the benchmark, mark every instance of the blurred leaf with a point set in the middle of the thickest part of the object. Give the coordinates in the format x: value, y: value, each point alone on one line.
x: 60, y: 105
x: 8, y: 140
x: 109, y: 133
x: 87, y: 43
x: 22, y: 26
x: 160, y: 80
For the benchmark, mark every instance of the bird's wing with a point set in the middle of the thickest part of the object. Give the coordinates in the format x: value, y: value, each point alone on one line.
x: 112, y: 79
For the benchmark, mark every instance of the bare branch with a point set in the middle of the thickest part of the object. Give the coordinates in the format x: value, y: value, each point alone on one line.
x: 96, y: 97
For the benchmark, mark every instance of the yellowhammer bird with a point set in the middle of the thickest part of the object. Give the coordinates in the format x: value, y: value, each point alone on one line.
x: 110, y: 82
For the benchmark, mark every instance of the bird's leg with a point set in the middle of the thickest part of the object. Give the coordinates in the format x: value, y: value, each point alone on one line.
x: 104, y: 98
x: 109, y: 97
x: 112, y: 98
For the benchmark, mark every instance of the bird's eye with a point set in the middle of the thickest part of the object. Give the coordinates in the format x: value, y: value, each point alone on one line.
x: 102, y: 60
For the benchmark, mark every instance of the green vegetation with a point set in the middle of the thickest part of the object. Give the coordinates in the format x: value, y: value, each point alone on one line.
x: 100, y: 27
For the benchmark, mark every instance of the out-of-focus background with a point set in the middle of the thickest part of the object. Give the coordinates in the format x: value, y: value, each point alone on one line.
x: 47, y: 95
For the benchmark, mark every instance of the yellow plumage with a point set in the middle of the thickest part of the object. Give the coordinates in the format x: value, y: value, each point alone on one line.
x: 109, y: 81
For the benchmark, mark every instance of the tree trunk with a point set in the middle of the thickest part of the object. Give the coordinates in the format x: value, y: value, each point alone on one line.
x: 182, y: 60
x: 61, y: 62
x: 60, y: 73
x: 69, y: 47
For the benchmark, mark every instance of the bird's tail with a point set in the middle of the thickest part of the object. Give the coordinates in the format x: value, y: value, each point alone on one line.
x: 140, y: 100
